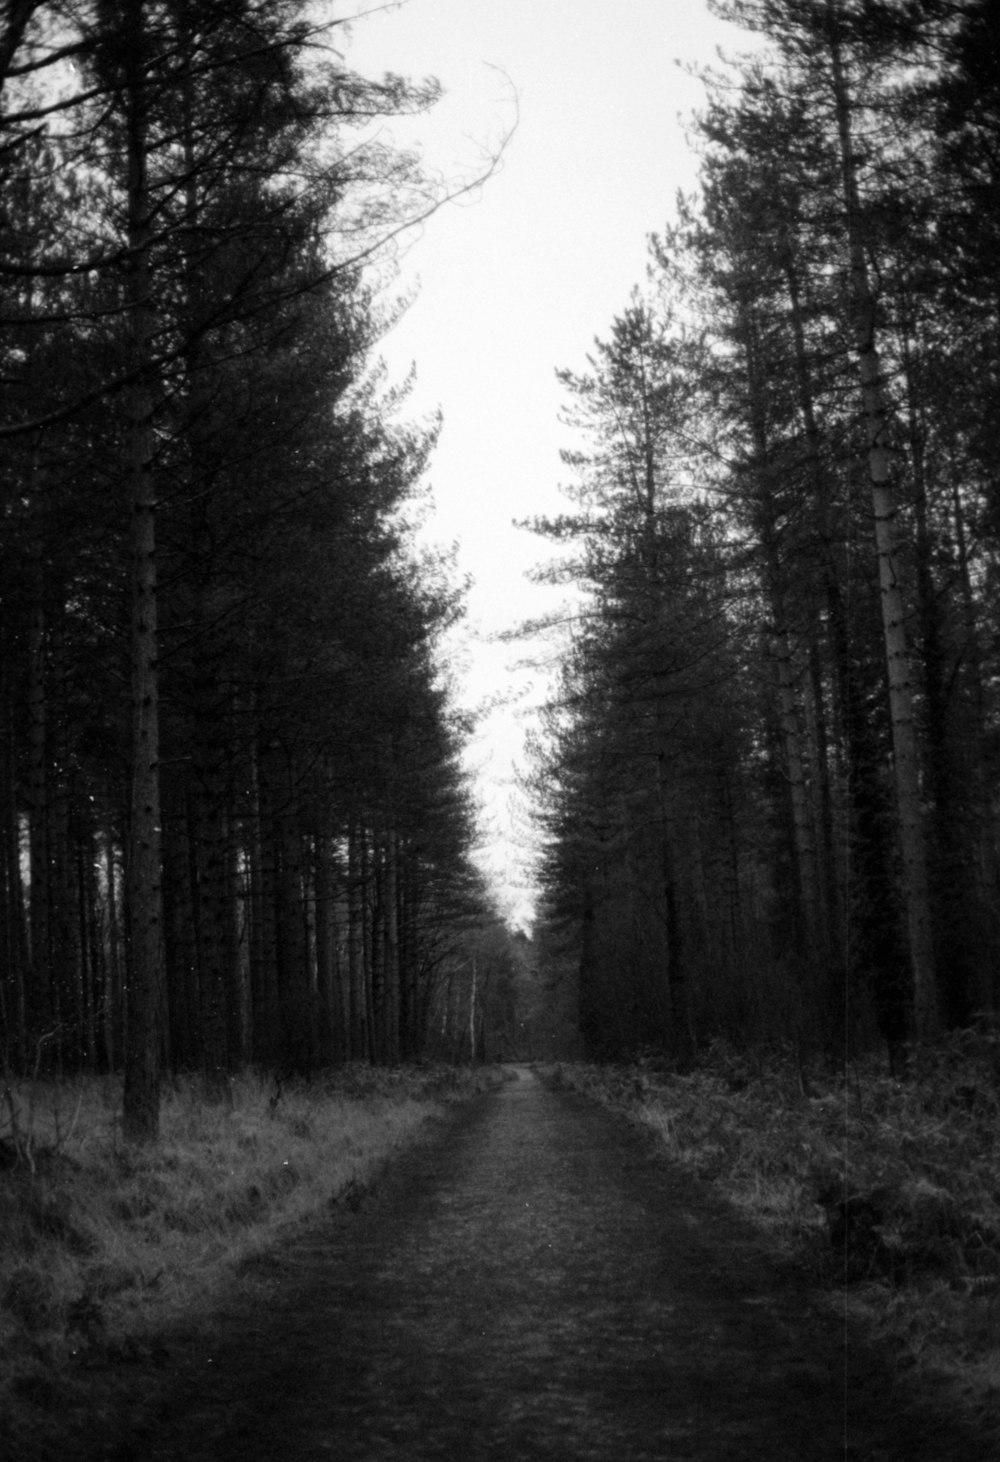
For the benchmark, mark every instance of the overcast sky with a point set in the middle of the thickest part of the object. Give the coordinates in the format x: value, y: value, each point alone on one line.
x: 517, y: 280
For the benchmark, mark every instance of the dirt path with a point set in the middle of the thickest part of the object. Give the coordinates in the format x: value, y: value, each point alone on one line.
x: 534, y: 1284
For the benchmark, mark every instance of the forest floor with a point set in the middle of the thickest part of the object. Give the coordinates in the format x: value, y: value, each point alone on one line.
x: 886, y: 1190
x: 533, y: 1281
x: 105, y: 1249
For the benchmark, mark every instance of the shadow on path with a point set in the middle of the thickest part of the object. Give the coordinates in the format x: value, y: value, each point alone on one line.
x: 536, y: 1284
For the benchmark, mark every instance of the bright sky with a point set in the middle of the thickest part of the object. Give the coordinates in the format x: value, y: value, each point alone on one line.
x: 517, y: 281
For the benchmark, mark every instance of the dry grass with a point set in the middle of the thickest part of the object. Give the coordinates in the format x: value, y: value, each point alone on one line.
x: 102, y: 1246
x: 889, y: 1190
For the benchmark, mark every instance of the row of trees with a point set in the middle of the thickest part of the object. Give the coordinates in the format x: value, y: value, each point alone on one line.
x: 770, y: 784
x: 233, y: 825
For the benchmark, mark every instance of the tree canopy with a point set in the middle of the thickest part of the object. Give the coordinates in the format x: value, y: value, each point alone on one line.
x: 768, y: 789
x: 235, y: 826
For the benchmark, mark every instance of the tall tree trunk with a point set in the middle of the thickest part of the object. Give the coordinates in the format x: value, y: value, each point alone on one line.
x: 818, y: 745
x: 807, y: 878
x: 262, y: 895
x: 412, y: 1009
x: 358, y: 1043
x: 324, y: 922
x: 90, y: 974
x: 681, y: 1028
x: 904, y: 731
x: 390, y: 916
x: 40, y: 999
x: 368, y: 898
x: 987, y: 862
x: 841, y: 691
x: 298, y: 1005
x: 209, y: 866
x: 953, y: 815
x: 210, y: 727
x: 808, y: 914
x: 66, y: 972
x: 472, y: 1008
x: 14, y: 946
x: 141, y: 1099
x: 112, y: 996
x: 864, y: 939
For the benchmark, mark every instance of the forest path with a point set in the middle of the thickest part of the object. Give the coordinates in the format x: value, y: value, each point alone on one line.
x: 535, y: 1283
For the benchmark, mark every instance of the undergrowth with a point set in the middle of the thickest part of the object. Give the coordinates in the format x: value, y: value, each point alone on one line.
x: 889, y: 1190
x: 103, y: 1246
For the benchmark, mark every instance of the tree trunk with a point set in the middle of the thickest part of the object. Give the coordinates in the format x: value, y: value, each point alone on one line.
x: 40, y: 1003
x: 141, y: 1099
x: 390, y: 915
x: 472, y: 1009
x: 356, y: 968
x: 14, y: 947
x: 113, y: 995
x: 808, y: 915
x: 262, y: 897
x: 681, y: 1030
x: 953, y: 816
x: 904, y: 731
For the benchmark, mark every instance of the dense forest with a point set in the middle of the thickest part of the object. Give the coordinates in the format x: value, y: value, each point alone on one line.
x: 234, y: 826
x: 768, y: 783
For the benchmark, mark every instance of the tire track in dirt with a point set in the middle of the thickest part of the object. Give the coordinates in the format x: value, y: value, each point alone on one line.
x: 536, y: 1283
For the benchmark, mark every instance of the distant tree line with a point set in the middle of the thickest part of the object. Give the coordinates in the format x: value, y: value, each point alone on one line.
x: 769, y: 784
x: 233, y: 824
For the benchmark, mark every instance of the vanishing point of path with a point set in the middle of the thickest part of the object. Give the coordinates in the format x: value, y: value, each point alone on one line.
x: 535, y: 1283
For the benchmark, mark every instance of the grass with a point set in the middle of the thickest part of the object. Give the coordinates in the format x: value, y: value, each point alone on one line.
x: 104, y: 1246
x: 889, y: 1191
